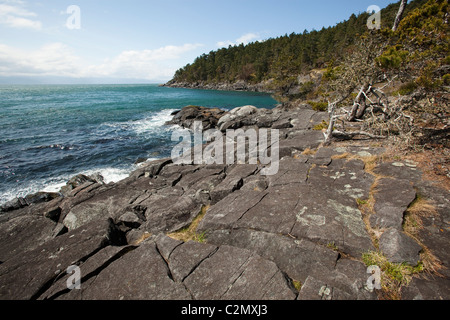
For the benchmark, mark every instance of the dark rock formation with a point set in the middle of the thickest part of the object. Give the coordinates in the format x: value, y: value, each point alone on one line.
x: 188, y: 115
x: 259, y: 236
x: 29, y: 200
x: 235, y: 86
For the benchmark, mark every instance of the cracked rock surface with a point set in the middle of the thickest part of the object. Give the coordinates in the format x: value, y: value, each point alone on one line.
x: 260, y: 235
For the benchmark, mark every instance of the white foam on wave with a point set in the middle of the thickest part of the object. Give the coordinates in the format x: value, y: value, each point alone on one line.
x: 21, y: 191
x: 110, y: 174
x: 55, y: 184
x: 153, y: 123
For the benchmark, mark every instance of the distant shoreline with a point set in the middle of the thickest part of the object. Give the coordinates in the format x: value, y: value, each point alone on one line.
x: 242, y: 86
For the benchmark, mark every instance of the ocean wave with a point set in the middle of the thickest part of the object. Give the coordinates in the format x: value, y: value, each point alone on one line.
x: 151, y: 124
x: 54, y: 146
x: 154, y: 122
x: 55, y: 184
x: 110, y: 174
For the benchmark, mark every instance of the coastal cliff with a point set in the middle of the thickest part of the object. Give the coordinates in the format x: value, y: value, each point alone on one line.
x: 224, y: 232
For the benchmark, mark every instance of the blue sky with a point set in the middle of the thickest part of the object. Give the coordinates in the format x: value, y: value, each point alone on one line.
x: 118, y: 41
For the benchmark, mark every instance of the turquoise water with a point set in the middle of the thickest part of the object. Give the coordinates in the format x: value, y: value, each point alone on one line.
x: 49, y: 133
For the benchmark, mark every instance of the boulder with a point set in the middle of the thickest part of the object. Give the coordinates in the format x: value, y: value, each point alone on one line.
x: 80, y: 180
x: 107, y: 204
x: 244, y: 111
x: 246, y: 116
x: 14, y: 204
x: 190, y: 114
x: 31, y: 199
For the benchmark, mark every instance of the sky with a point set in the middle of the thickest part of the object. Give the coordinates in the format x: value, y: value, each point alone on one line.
x: 143, y: 41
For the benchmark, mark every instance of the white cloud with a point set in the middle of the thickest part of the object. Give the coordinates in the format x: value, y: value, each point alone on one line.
x: 245, y: 39
x: 154, y: 64
x: 49, y: 60
x: 58, y: 59
x: 14, y: 15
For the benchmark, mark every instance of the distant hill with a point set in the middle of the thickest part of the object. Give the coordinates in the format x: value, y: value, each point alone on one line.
x: 277, y: 62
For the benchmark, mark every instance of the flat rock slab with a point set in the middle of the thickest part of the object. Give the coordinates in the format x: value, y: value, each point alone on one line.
x: 233, y: 181
x: 297, y: 258
x: 344, y: 180
x: 164, y: 269
x: 105, y: 205
x: 314, y: 203
x: 275, y: 213
x: 330, y: 221
x: 399, y: 170
x: 23, y: 233
x: 301, y: 141
x: 392, y: 199
x: 187, y: 257
x: 227, y: 212
x: 399, y: 248
x: 433, y: 288
x: 27, y: 276
x: 290, y: 171
x: 346, y: 282
x: 235, y: 274
x: 147, y: 279
x: 89, y: 269
x: 306, y: 119
x: 166, y: 213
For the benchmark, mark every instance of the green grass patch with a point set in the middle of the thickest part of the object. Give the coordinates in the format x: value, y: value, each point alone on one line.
x: 297, y: 285
x: 190, y: 233
x: 406, y: 88
x: 319, y: 106
x: 394, y: 276
x: 321, y: 126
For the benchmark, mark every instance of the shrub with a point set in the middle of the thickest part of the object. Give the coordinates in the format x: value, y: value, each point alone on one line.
x: 319, y: 106
x: 446, y: 79
x: 321, y: 126
x: 407, y: 88
x: 392, y: 58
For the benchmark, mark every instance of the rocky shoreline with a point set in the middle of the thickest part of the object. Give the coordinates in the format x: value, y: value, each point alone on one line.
x: 226, y: 232
x: 263, y: 87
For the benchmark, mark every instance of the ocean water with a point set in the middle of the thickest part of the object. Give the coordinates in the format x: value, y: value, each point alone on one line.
x: 49, y: 133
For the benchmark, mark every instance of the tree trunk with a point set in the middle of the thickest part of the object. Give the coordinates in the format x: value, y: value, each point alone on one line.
x: 329, y: 133
x: 358, y: 104
x: 399, y: 14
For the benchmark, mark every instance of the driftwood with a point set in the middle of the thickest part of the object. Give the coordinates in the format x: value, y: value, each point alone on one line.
x: 379, y: 115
